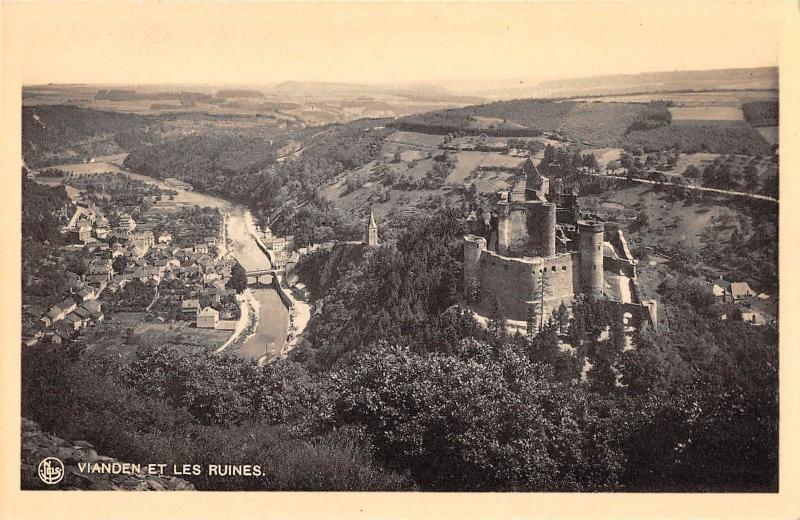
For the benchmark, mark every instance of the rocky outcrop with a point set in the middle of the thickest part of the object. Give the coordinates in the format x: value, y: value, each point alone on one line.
x: 37, y: 445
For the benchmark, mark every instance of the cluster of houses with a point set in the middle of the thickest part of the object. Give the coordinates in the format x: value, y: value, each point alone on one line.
x: 65, y: 318
x: 756, y: 308
x: 195, y: 271
x: 87, y: 224
x: 281, y: 250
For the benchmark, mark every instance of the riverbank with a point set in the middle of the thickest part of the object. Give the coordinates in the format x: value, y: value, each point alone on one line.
x: 299, y: 316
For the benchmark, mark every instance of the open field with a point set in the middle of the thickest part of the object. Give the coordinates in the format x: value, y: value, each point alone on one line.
x: 414, y: 165
x: 492, y: 123
x: 604, y: 155
x: 415, y: 139
x: 121, y: 335
x: 103, y: 164
x: 467, y: 161
x: 707, y: 115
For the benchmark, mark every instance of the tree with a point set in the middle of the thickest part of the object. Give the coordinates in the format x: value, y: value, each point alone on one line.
x: 238, y: 279
x: 590, y: 162
x: 641, y: 221
x: 561, y: 318
x: 626, y: 160
x: 497, y: 321
x: 532, y: 319
x: 481, y: 419
x: 119, y: 264
x: 751, y: 177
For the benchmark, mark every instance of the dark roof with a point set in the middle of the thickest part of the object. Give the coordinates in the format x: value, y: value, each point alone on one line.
x: 66, y: 304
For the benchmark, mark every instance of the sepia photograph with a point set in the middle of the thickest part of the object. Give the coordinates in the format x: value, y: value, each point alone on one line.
x: 516, y: 248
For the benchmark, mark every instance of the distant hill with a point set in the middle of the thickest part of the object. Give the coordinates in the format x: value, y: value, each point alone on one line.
x: 753, y: 78
x: 239, y: 93
x: 412, y: 92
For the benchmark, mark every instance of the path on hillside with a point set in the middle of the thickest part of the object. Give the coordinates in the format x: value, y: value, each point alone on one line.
x: 690, y: 187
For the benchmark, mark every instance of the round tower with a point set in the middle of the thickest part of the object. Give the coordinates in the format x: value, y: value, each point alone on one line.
x: 591, y: 256
x: 473, y: 248
x: 548, y: 229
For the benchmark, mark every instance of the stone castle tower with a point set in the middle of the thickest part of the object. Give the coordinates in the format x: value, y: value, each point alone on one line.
x: 535, y: 247
x: 371, y: 231
x: 590, y: 246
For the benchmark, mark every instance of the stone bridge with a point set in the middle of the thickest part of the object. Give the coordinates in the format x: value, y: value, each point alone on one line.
x: 260, y: 278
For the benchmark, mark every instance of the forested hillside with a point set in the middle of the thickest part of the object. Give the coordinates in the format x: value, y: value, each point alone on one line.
x: 209, y: 162
x: 602, y: 124
x: 244, y: 168
x: 53, y: 134
x: 44, y: 211
x: 599, y: 124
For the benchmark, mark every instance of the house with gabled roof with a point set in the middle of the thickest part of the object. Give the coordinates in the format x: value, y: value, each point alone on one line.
x: 207, y: 318
x: 189, y: 309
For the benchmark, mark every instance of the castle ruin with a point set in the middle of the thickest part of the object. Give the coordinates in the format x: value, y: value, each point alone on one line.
x: 533, y: 250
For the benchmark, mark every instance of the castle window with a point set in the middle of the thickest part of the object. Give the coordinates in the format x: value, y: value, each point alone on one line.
x: 554, y: 268
x: 598, y: 248
x: 563, y: 267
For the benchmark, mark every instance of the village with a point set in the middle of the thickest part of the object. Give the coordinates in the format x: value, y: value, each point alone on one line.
x: 138, y: 263
x: 161, y: 266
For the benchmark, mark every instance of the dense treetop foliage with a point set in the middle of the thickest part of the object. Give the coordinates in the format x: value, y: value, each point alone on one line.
x: 761, y: 113
x: 53, y: 134
x: 44, y: 211
x: 691, y: 139
x: 396, y: 289
x: 40, y: 204
x: 396, y: 388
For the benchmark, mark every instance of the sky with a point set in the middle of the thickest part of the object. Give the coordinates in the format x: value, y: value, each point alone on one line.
x: 382, y: 43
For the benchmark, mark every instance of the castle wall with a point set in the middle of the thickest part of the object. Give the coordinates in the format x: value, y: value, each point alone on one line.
x: 516, y: 281
x: 619, y: 266
x: 624, y: 263
x: 512, y: 229
x: 527, y: 228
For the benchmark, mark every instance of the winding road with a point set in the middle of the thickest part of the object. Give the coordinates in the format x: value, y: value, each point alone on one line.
x: 690, y: 187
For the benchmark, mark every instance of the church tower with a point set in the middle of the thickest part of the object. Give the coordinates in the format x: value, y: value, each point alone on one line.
x: 371, y: 233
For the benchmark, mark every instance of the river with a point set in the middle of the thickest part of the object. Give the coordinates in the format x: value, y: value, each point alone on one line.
x: 273, y: 317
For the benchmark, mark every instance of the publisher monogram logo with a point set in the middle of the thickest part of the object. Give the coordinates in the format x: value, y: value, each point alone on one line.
x: 51, y: 470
